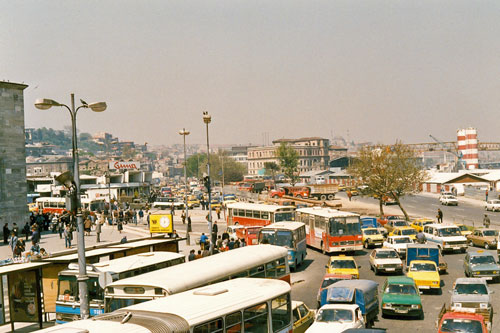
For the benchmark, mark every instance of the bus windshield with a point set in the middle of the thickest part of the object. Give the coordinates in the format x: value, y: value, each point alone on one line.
x: 339, y: 226
x: 277, y: 237
x: 118, y: 303
x: 68, y: 289
x: 283, y: 216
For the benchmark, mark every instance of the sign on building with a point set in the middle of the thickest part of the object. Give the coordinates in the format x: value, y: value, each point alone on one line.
x: 117, y: 165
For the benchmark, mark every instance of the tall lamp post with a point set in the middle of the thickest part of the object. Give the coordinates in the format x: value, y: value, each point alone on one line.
x: 45, y: 104
x: 207, y: 119
x: 183, y: 132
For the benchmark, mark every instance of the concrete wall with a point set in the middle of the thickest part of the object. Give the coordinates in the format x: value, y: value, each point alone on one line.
x: 13, y: 186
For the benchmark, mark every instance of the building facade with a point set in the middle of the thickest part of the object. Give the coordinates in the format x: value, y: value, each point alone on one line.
x: 13, y: 188
x: 313, y: 154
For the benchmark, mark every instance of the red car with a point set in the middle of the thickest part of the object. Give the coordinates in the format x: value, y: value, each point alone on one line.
x: 385, y: 218
x: 328, y: 280
x: 462, y: 322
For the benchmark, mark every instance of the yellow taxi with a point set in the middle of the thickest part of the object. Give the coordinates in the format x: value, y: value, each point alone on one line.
x: 302, y: 317
x: 372, y: 237
x: 418, y: 224
x: 425, y: 274
x: 343, y: 265
x: 193, y: 201
x: 463, y: 229
x: 405, y: 231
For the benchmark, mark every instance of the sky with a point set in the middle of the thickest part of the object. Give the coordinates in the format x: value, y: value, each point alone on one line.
x: 376, y: 71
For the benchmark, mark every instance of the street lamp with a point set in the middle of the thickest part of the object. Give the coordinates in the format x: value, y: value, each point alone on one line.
x: 45, y: 104
x: 183, y: 132
x: 207, y: 119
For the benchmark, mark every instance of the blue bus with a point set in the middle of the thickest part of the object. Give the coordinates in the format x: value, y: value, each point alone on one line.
x: 289, y: 234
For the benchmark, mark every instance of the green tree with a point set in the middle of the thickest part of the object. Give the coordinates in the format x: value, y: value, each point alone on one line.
x: 271, y: 168
x: 233, y: 171
x: 288, y: 159
x: 389, y: 170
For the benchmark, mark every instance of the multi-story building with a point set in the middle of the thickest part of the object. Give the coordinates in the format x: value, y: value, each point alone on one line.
x: 313, y: 154
x: 13, y: 203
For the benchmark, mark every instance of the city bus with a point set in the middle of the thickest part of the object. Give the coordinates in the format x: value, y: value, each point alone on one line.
x: 238, y: 305
x: 267, y: 261
x: 331, y: 230
x: 102, y: 273
x: 51, y: 205
x: 291, y: 235
x: 251, y: 214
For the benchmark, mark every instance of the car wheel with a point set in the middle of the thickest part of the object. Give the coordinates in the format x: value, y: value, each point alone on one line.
x: 486, y: 246
x: 331, y: 196
x: 365, y: 244
x: 323, y: 197
x: 421, y: 316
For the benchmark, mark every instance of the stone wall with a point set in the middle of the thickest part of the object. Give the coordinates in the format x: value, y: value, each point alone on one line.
x: 13, y: 186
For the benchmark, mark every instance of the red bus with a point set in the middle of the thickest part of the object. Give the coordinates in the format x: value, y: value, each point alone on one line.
x: 331, y: 230
x: 250, y: 214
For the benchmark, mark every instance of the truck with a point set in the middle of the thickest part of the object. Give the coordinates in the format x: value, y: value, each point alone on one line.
x: 422, y: 252
x: 364, y: 293
x: 314, y: 191
x: 450, y: 320
x: 292, y: 191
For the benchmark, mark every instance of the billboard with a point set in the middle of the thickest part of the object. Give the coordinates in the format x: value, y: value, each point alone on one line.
x: 161, y: 223
x: 23, y: 297
x: 120, y: 165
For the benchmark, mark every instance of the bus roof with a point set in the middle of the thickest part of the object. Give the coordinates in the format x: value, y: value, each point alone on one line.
x: 201, y: 304
x: 95, y: 326
x: 141, y: 243
x: 259, y: 207
x: 89, y: 253
x: 207, y: 269
x: 288, y: 225
x: 137, y: 260
x: 326, y: 212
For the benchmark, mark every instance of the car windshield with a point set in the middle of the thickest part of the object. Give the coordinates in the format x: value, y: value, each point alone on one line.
x: 371, y: 232
x: 490, y: 233
x: 327, y: 282
x: 404, y: 240
x: 482, y: 260
x: 393, y: 218
x: 400, y: 223
x: 405, y: 289
x: 343, y: 264
x: 463, y: 228
x: 328, y: 315
x: 471, y: 288
x: 495, y: 202
x: 386, y: 254
x: 461, y: 326
x: 408, y: 232
x: 423, y: 267
x: 445, y: 232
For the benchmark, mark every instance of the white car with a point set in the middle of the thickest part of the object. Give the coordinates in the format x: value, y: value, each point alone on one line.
x: 448, y: 200
x: 398, y: 243
x: 386, y: 260
x: 493, y: 205
x: 337, y: 318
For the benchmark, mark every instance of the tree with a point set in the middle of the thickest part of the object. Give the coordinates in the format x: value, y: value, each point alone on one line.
x: 389, y: 171
x: 288, y: 159
x: 197, y: 165
x: 272, y: 168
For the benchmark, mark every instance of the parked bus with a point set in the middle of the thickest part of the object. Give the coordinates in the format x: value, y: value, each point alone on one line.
x: 102, y: 273
x: 250, y: 261
x: 250, y: 214
x: 291, y: 235
x: 331, y: 230
x: 51, y: 205
x: 239, y: 305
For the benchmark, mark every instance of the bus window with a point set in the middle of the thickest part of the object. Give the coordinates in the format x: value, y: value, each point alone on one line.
x: 256, y: 214
x: 248, y: 213
x: 284, y: 238
x: 281, y: 267
x: 68, y: 288
x: 283, y: 216
x: 242, y: 274
x: 258, y: 271
x: 264, y: 215
x: 256, y: 319
x: 280, y: 312
x: 212, y: 326
x: 271, y: 269
x: 233, y: 322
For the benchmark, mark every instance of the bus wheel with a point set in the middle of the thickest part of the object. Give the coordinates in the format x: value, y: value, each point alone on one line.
x: 323, y: 197
x: 331, y: 196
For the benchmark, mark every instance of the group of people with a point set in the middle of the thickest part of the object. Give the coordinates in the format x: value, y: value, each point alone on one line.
x: 17, y: 244
x: 221, y: 242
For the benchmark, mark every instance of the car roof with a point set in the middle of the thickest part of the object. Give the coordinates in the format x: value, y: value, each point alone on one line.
x: 422, y: 262
x: 333, y: 276
x: 480, y: 254
x: 384, y: 249
x: 404, y: 228
x: 342, y: 306
x: 441, y: 226
x: 341, y: 258
x: 470, y: 281
x: 400, y: 280
x: 398, y: 237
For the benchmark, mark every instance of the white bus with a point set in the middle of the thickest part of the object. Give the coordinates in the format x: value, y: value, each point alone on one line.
x: 251, y: 214
x: 239, y: 305
x: 260, y: 261
x: 102, y: 273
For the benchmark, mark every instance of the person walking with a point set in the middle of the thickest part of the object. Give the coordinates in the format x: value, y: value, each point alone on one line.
x: 215, y: 230
x: 35, y: 235
x: 440, y: 215
x: 26, y: 230
x: 15, y: 229
x: 141, y: 215
x: 183, y: 217
x: 6, y: 233
x: 217, y: 210
x: 60, y: 228
x: 203, y: 240
x: 67, y: 237
x: 486, y: 193
x: 87, y: 226
x: 120, y: 226
x: 98, y: 230
x: 13, y: 242
x: 349, y: 195
x: 486, y: 221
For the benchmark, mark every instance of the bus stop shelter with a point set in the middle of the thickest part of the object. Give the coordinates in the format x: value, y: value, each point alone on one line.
x: 21, y: 293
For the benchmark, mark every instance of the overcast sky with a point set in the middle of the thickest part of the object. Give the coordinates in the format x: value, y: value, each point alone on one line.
x: 378, y: 70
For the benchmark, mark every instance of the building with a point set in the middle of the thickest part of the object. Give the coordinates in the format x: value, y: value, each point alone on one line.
x: 313, y: 154
x: 13, y: 189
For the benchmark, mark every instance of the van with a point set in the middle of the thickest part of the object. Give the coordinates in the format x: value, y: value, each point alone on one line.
x: 446, y: 237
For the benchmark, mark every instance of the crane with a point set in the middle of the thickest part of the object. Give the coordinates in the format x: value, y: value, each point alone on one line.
x: 460, y: 162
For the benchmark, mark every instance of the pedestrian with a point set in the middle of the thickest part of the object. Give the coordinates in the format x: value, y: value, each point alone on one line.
x: 20, y: 247
x: 174, y: 234
x: 141, y: 215
x: 225, y: 235
x: 198, y: 256
x: 87, y: 226
x: 60, y: 228
x: 191, y: 256
x: 486, y: 193
x: 349, y: 194
x: 230, y: 244
x: 440, y: 215
x: 183, y: 217
x: 13, y: 241
x: 6, y: 233
x: 486, y: 221
x: 26, y: 230
x: 206, y: 251
x: 149, y: 214
x: 134, y: 217
x: 35, y: 235
x: 172, y: 210
x: 120, y: 226
x: 203, y: 240
x: 98, y: 231
x: 217, y: 210
x: 215, y: 229
x: 243, y: 243
x: 219, y: 242
x: 123, y: 240
x: 202, y: 203
x: 237, y: 243
x: 15, y: 229
x: 189, y: 224
x: 35, y: 248
x: 68, y: 236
